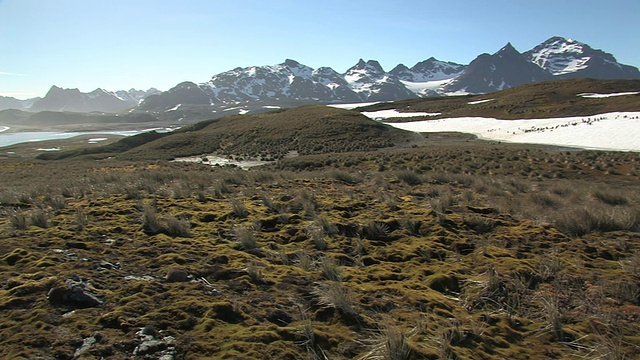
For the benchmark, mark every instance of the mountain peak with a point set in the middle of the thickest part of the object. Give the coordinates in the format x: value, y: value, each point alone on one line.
x: 291, y: 63
x: 507, y: 50
x: 375, y: 65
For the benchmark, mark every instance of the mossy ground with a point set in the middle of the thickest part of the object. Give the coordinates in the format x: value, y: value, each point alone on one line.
x: 472, y: 251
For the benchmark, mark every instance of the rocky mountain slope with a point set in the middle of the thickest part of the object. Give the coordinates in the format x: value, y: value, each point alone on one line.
x: 556, y: 58
x: 567, y: 58
x: 73, y: 100
x: 290, y: 83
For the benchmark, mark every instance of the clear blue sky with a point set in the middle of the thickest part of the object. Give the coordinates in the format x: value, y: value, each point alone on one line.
x: 120, y: 44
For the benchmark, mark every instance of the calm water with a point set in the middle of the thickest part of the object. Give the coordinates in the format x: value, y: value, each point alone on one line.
x: 30, y: 136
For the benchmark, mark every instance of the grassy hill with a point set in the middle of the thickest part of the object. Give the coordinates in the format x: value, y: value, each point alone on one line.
x: 537, y: 100
x: 311, y: 129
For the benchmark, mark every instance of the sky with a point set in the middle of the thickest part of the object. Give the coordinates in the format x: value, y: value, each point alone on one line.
x: 123, y: 44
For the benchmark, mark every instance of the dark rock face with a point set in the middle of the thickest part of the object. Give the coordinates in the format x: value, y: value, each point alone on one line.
x: 75, y: 295
x: 504, y: 69
x: 183, y: 93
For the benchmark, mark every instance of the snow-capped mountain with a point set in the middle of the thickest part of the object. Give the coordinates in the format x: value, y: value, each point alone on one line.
x: 567, y: 58
x: 286, y: 82
x: 292, y: 83
x: 504, y: 69
x: 374, y: 84
x: 428, y: 70
x: 58, y: 99
x: 135, y: 96
x: 556, y: 58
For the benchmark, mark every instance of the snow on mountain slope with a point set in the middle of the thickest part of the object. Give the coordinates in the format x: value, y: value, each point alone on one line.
x: 428, y: 70
x: 427, y: 88
x: 560, y: 56
x: 372, y: 83
x: 293, y: 83
x: 612, y: 131
x: 567, y: 58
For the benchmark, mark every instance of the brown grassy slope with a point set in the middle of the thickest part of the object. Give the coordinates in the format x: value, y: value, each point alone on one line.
x: 310, y: 129
x: 436, y: 257
x: 537, y: 100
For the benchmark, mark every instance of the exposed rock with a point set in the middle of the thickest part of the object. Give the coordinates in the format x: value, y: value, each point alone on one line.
x: 153, y: 342
x: 177, y: 275
x: 76, y: 294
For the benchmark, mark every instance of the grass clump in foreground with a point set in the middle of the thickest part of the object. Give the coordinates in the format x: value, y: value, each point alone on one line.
x: 471, y: 256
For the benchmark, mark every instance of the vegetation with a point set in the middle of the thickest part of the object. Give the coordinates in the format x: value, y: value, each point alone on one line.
x: 556, y: 98
x: 477, y: 251
x: 440, y: 248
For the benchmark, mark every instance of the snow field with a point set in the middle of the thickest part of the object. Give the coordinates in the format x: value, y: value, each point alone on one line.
x: 618, y: 131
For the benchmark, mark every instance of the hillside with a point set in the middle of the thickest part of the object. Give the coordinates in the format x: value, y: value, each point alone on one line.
x: 558, y: 98
x: 467, y: 251
x: 310, y: 129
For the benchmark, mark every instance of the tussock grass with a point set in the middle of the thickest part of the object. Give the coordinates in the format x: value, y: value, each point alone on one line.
x: 245, y: 238
x: 330, y: 268
x: 239, y: 209
x: 346, y: 177
x: 611, y: 197
x: 18, y: 220
x: 317, y: 236
x: 499, y: 253
x: 334, y: 294
x: 40, y: 218
x: 409, y: 177
x: 176, y: 227
x: 150, y: 220
x: 391, y: 342
x: 597, y: 219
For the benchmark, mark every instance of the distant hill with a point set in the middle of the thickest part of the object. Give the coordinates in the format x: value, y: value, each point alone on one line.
x: 45, y: 119
x: 557, y: 98
x: 73, y: 100
x: 309, y: 129
x: 317, y: 129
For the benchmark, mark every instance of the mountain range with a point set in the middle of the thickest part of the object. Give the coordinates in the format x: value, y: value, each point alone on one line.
x: 73, y: 100
x: 292, y: 83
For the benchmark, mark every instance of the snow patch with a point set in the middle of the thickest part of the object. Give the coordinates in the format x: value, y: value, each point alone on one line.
x: 479, y: 101
x: 599, y: 96
x: 618, y: 131
x: 384, y: 114
x: 4, y: 128
x: 353, y: 105
x: 48, y: 149
x: 96, y: 140
x: 174, y: 108
x: 420, y: 88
